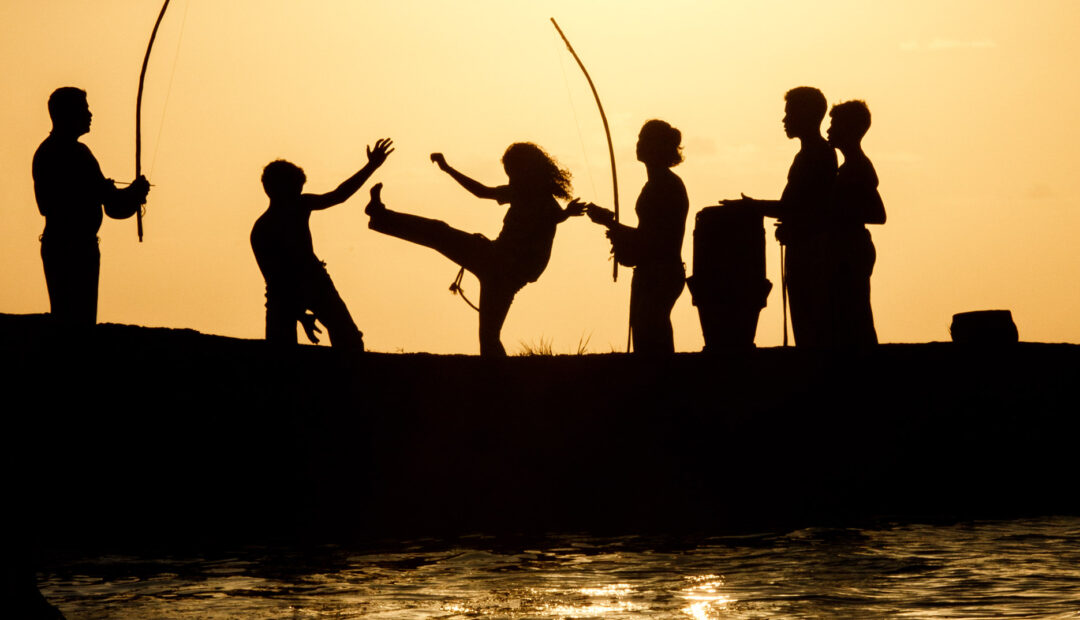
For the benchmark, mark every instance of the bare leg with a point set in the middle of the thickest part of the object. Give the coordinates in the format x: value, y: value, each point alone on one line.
x: 474, y: 252
x: 495, y: 300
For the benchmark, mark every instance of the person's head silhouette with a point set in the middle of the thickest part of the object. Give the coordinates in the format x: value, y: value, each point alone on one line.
x: 659, y: 144
x: 69, y: 111
x: 283, y: 180
x: 849, y: 122
x: 531, y: 169
x: 803, y: 112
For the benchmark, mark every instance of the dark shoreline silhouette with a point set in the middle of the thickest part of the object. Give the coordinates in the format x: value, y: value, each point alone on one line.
x: 220, y: 439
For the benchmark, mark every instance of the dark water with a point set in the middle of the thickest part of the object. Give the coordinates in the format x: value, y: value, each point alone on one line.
x: 991, y: 569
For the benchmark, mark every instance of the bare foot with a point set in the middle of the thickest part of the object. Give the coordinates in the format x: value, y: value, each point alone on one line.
x: 375, y: 205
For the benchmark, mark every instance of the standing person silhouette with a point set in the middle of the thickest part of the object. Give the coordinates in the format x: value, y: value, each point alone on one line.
x: 296, y: 280
x: 521, y: 251
x: 803, y: 211
x: 70, y: 191
x: 856, y: 202
x: 654, y: 248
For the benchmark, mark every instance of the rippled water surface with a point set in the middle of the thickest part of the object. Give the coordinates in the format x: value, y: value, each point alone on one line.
x: 1019, y: 569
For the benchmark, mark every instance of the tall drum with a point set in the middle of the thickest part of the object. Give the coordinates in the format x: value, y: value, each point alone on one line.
x: 728, y: 285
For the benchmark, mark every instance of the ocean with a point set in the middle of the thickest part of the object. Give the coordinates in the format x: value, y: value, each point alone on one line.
x: 1017, y: 568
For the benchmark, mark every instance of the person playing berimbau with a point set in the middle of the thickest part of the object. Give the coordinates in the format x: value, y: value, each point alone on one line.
x: 71, y: 190
x: 654, y: 248
x: 521, y: 251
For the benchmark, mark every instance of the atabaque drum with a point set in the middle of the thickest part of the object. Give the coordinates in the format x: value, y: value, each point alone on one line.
x: 728, y: 284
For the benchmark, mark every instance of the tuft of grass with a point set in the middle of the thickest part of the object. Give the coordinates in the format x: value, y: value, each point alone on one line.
x: 583, y: 344
x: 546, y: 347
x: 542, y: 349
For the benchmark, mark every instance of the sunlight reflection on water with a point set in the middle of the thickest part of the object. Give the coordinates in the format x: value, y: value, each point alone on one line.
x: 989, y: 569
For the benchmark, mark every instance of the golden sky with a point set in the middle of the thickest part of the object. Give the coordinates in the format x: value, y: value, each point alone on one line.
x: 975, y: 139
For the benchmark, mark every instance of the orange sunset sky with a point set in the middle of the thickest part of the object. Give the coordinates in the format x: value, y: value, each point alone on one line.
x: 975, y: 139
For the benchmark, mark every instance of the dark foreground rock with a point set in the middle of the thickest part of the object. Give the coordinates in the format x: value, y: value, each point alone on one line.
x: 155, y: 436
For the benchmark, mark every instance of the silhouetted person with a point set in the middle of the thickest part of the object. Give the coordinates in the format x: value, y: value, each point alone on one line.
x: 856, y: 202
x: 521, y: 251
x: 654, y: 248
x: 296, y: 280
x: 803, y: 211
x: 70, y: 191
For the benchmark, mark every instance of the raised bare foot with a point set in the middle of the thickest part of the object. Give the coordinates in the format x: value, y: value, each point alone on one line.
x: 375, y: 205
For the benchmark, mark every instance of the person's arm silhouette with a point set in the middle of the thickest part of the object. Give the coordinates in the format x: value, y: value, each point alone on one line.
x: 574, y: 208
x: 121, y: 204
x: 54, y: 190
x: 624, y: 239
x: 376, y: 156
x: 474, y: 187
x: 768, y: 208
x: 600, y: 215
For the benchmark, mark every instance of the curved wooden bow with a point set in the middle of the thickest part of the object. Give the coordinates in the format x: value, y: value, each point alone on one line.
x: 607, y: 133
x: 138, y: 111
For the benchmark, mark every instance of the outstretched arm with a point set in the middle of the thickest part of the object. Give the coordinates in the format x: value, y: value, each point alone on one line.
x: 768, y: 208
x: 471, y: 185
x: 624, y: 239
x: 604, y: 217
x: 376, y: 157
x: 575, y: 208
